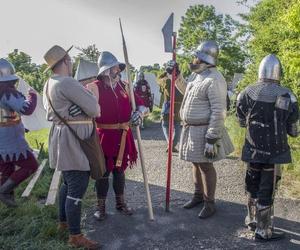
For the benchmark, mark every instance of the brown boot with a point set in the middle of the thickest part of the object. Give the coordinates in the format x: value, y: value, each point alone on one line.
x: 195, y: 201
x: 62, y: 226
x: 208, y: 210
x: 79, y: 240
x: 100, y: 214
x: 121, y: 206
x: 6, y: 191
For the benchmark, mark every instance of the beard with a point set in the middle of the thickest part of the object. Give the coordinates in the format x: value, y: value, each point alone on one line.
x: 198, y: 68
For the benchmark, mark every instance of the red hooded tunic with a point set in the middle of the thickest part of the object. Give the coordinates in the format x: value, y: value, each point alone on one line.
x: 115, y: 108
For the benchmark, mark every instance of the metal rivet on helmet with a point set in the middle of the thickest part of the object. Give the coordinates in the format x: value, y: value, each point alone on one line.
x: 208, y: 52
x: 270, y: 68
x: 7, y: 71
x: 107, y: 60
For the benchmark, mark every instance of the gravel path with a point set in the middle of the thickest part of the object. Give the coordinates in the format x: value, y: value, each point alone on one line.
x: 181, y: 229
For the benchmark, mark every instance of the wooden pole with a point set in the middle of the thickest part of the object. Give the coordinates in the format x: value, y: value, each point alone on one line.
x: 52, y: 193
x: 171, y: 128
x: 138, y: 132
x: 34, y: 179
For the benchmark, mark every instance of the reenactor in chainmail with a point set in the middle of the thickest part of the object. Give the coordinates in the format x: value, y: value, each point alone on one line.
x: 269, y: 112
x: 204, y: 139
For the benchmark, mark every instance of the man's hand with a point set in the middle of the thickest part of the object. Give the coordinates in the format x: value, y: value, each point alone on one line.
x: 74, y: 110
x: 136, y: 118
x: 171, y: 65
x: 210, y: 150
x: 31, y: 91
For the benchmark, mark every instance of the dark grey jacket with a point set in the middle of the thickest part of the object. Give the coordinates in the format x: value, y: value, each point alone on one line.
x: 269, y: 112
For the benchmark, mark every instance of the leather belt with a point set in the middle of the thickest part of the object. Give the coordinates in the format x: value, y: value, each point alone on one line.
x: 80, y: 122
x: 195, y: 125
x: 10, y: 123
x: 125, y: 127
x: 74, y: 122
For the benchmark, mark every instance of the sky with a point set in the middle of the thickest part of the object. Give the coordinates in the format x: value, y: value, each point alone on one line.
x: 36, y: 25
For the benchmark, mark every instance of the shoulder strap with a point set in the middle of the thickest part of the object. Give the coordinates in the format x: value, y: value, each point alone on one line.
x: 59, y: 117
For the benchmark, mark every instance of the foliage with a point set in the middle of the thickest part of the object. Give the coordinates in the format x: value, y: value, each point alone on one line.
x: 90, y: 53
x: 155, y: 69
x: 32, y: 73
x: 203, y: 23
x: 274, y: 27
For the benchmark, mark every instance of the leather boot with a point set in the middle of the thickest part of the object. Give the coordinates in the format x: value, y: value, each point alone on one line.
x: 195, y: 201
x: 208, y: 210
x: 250, y: 220
x: 174, y: 150
x: 62, y: 226
x: 79, y: 240
x: 121, y: 206
x: 6, y: 191
x: 264, y: 231
x: 100, y: 214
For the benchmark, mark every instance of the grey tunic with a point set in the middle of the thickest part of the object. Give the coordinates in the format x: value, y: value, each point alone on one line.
x: 65, y: 152
x: 204, y: 103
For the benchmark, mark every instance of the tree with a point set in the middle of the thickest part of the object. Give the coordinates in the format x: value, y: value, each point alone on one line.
x: 155, y: 69
x: 202, y: 23
x: 32, y: 73
x: 90, y: 53
x: 274, y: 27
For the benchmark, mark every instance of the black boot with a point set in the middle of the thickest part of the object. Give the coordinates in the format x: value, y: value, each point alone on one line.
x: 6, y: 191
x: 121, y: 206
x: 264, y: 231
x: 250, y: 220
x: 208, y: 210
x: 195, y: 201
x: 100, y: 214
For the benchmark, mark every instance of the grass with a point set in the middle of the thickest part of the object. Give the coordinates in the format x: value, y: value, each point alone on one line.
x: 154, y: 116
x: 33, y: 225
x: 290, y: 182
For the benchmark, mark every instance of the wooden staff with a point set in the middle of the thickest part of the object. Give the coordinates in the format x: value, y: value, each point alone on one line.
x: 171, y: 128
x: 138, y: 132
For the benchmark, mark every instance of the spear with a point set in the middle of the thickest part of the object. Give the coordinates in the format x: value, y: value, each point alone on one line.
x: 170, y: 46
x: 138, y: 132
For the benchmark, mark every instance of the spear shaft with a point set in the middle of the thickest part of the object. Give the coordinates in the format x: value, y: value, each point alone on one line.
x: 138, y: 132
x: 171, y: 129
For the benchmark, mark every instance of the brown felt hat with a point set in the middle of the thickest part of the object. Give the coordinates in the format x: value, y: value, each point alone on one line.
x: 54, y: 55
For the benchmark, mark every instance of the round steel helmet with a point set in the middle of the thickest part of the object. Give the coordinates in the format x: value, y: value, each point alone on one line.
x: 7, y: 71
x: 270, y: 68
x: 141, y: 75
x: 107, y: 60
x: 208, y: 52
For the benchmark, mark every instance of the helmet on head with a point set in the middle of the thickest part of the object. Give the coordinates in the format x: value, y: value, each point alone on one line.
x: 141, y: 75
x: 7, y: 71
x: 107, y: 60
x: 270, y: 68
x: 208, y: 52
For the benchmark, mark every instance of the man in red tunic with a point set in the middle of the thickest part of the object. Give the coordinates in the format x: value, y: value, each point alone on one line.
x: 114, y: 129
x: 143, y: 90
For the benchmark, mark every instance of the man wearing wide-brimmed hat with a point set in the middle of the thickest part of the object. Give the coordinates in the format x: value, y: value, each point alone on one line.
x: 114, y: 129
x: 77, y: 106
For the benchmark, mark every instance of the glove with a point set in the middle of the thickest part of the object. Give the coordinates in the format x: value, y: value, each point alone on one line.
x: 210, y: 150
x: 74, y: 110
x: 136, y: 118
x: 171, y: 65
x: 31, y: 91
